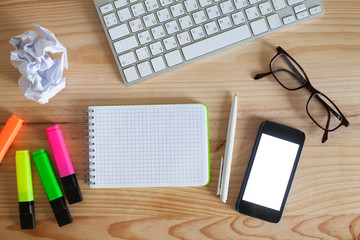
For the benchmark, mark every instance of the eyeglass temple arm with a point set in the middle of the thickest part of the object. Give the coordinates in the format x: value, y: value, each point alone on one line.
x: 261, y: 75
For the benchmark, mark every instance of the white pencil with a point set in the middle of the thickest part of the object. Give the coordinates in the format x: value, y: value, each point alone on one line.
x: 225, y: 167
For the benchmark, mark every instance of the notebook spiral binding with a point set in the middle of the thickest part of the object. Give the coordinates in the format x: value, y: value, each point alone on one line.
x: 90, y: 170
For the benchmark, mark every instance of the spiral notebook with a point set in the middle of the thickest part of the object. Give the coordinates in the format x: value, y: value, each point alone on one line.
x: 148, y: 145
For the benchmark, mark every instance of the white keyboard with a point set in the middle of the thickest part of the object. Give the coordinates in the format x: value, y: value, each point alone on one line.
x: 153, y: 36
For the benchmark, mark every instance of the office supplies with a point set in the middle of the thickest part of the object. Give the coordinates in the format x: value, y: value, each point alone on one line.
x: 225, y: 167
x: 270, y: 171
x: 25, y: 190
x: 52, y: 188
x: 290, y: 75
x: 64, y: 164
x: 151, y: 37
x: 41, y: 74
x: 8, y: 134
x: 148, y: 145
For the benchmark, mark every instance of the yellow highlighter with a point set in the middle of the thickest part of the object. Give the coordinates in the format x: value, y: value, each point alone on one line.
x: 25, y: 190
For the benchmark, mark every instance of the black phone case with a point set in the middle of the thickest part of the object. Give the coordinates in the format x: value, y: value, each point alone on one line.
x: 278, y: 130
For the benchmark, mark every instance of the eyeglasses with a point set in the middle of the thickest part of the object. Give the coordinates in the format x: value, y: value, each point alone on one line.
x: 289, y: 74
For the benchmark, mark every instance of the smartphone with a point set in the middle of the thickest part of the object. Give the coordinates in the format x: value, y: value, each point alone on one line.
x: 270, y: 172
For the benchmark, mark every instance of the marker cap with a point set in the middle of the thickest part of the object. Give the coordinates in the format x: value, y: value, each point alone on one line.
x: 27, y: 215
x: 72, y: 189
x: 61, y: 211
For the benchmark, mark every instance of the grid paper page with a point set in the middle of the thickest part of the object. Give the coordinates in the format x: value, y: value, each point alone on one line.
x: 149, y: 145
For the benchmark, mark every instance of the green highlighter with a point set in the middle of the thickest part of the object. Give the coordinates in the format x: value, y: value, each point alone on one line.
x: 52, y: 188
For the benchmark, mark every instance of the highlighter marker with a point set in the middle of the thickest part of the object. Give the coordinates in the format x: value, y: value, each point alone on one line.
x: 8, y: 134
x: 64, y: 165
x: 52, y: 188
x: 25, y: 190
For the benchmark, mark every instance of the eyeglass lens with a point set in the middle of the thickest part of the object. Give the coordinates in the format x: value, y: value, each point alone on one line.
x: 287, y: 72
x: 323, y: 112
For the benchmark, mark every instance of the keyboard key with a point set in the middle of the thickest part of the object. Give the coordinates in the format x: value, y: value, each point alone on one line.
x: 302, y: 15
x: 170, y: 43
x: 254, y: 1
x: 274, y: 21
x: 216, y: 42
x: 110, y: 20
x: 238, y: 18
x: 225, y: 23
x: 213, y: 12
x: 171, y: 27
x: 125, y: 44
x: 177, y: 10
x: 173, y: 58
x: 130, y: 74
x: 292, y: 2
x: 265, y: 8
x: 120, y: 3
x: 259, y: 26
x: 106, y: 8
x: 163, y: 15
x: 124, y: 14
x: 158, y: 64
x: 199, y: 17
x: 289, y: 19
x: 156, y: 48
x: 118, y: 31
x: 151, y: 5
x: 226, y: 7
x: 144, y: 69
x: 144, y: 37
x: 136, y: 25
x: 158, y: 32
x: 138, y: 9
x: 150, y: 20
x: 127, y: 59
x: 183, y: 38
x: 165, y: 2
x: 299, y: 8
x: 315, y: 10
x: 240, y: 4
x: 197, y: 33
x: 191, y: 5
x: 204, y: 3
x: 279, y: 4
x: 142, y: 53
x: 211, y: 28
x: 185, y: 22
x: 252, y: 13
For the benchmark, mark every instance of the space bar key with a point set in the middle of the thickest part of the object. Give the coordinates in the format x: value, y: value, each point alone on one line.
x: 216, y: 42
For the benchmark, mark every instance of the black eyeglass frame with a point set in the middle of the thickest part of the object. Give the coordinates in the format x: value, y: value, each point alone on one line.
x: 314, y: 92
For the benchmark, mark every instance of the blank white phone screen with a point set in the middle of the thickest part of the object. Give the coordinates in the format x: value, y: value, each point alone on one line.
x: 270, y: 172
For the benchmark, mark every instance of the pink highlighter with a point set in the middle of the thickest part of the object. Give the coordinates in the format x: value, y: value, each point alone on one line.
x: 64, y: 165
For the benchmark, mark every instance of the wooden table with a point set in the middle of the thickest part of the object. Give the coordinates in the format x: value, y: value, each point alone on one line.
x: 324, y: 201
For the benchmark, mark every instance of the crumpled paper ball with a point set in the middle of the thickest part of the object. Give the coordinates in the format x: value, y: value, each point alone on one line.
x: 41, y: 75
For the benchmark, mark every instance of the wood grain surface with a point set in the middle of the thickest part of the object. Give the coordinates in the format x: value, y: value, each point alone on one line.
x: 324, y: 202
